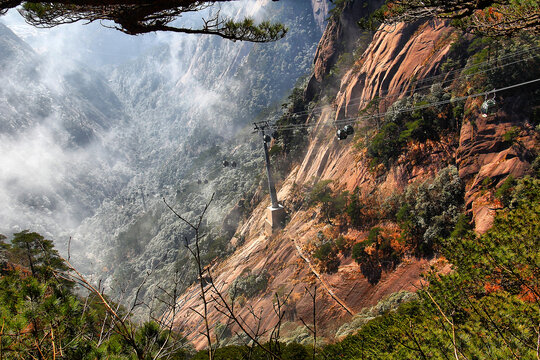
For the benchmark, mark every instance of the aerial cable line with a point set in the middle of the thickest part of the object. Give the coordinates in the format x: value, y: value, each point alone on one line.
x: 352, y: 120
x: 487, y: 62
x: 416, y: 90
x: 424, y: 106
x: 358, y: 100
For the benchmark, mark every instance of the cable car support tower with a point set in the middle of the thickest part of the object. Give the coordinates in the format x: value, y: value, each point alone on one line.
x: 275, y: 213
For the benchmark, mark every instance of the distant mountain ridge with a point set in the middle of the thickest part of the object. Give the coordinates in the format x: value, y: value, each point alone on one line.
x: 61, y: 125
x: 156, y: 126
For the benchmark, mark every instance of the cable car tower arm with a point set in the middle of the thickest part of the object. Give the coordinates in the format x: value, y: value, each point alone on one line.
x: 261, y: 127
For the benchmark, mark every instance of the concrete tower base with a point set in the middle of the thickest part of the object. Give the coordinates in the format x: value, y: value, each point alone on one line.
x: 274, y: 219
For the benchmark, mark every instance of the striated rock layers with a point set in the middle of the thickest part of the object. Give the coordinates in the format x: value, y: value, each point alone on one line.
x: 395, y: 58
x: 281, y: 254
x: 486, y: 155
x: 341, y: 35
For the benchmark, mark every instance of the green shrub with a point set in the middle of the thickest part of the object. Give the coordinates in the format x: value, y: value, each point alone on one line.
x: 359, y: 254
x: 324, y: 251
x: 374, y: 234
x: 386, y: 145
x: 327, y: 254
x: 487, y: 307
x: 401, y: 126
x: 294, y: 351
x: 382, y: 257
x: 535, y: 167
x: 511, y: 135
x: 354, y: 209
x: 388, y: 303
x: 431, y: 209
x: 249, y: 284
x: 462, y: 227
x: 504, y: 192
x: 331, y: 204
x: 340, y: 244
x: 525, y: 192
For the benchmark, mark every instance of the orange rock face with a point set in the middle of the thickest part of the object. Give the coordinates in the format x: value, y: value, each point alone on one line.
x: 387, y: 66
x: 486, y: 156
x: 397, y: 56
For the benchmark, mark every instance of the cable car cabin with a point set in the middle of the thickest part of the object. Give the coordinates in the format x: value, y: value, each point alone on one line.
x: 341, y: 134
x: 267, y: 138
x: 233, y: 164
x: 489, y: 107
x: 349, y: 129
x: 225, y: 163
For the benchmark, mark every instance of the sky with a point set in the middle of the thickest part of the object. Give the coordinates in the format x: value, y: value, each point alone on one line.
x: 92, y: 44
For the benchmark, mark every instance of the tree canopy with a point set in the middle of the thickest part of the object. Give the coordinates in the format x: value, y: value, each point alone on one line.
x: 142, y: 16
x: 485, y: 17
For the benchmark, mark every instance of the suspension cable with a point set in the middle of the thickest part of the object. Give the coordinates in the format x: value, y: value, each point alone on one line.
x: 353, y: 120
x: 412, y: 89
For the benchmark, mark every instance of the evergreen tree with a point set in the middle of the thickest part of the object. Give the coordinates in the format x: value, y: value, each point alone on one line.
x: 38, y: 254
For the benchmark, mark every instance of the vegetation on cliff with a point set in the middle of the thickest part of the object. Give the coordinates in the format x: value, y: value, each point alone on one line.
x: 480, y: 297
x: 489, y: 17
x: 487, y: 305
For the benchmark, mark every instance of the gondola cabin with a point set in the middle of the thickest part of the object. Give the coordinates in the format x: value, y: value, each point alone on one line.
x: 489, y: 107
x: 341, y: 134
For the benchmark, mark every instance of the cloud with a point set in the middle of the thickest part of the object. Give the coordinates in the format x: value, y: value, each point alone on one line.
x: 39, y: 172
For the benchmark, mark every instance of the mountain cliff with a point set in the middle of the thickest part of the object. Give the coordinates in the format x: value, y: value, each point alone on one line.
x: 364, y: 214
x: 450, y: 168
x: 192, y: 102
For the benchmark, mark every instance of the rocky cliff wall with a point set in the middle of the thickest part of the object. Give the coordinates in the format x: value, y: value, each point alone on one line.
x: 283, y: 255
x: 396, y: 59
x: 341, y: 35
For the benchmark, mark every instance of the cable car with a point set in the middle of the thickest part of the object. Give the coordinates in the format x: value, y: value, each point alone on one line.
x: 349, y: 129
x: 341, y: 134
x: 206, y: 181
x: 199, y: 181
x: 233, y: 164
x: 489, y: 106
x: 225, y: 163
x: 267, y: 138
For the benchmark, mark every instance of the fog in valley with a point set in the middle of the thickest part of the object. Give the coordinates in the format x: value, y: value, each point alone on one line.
x: 97, y: 126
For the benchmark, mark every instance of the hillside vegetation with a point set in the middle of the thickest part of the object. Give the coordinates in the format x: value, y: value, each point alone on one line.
x: 486, y: 306
x: 417, y: 237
